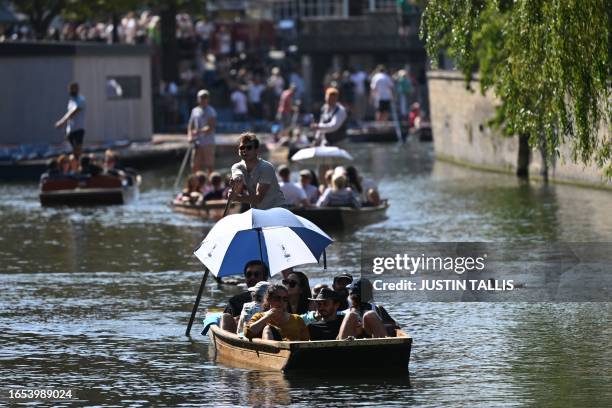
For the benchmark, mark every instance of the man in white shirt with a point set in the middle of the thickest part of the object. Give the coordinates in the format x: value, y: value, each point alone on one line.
x: 294, y: 195
x: 74, y: 119
x: 382, y: 91
x: 361, y: 98
x: 239, y: 100
x: 255, y: 90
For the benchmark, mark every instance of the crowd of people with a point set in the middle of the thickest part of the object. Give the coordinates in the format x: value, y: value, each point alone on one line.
x: 86, y: 165
x: 290, y: 310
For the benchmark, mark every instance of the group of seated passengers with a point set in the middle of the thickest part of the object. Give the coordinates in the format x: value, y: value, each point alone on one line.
x: 69, y: 167
x: 341, y: 187
x: 199, y: 188
x: 289, y: 311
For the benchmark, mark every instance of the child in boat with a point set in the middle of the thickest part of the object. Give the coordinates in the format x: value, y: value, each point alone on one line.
x: 250, y: 308
x: 217, y: 190
x: 365, y: 318
x: 191, y: 193
x: 275, y: 323
x: 364, y: 190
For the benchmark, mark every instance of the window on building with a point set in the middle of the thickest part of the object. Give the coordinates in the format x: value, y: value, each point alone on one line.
x: 123, y: 87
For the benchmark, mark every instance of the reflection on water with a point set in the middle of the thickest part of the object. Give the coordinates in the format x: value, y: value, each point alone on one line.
x: 97, y: 300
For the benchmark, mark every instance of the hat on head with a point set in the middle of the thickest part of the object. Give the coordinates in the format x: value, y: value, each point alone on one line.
x: 202, y: 93
x: 326, y: 294
x: 259, y: 288
x: 305, y: 172
x: 345, y: 276
x: 363, y: 288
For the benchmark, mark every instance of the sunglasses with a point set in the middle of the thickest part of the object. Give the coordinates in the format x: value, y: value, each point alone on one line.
x: 246, y: 147
x: 290, y: 283
x: 278, y: 298
x: 253, y: 274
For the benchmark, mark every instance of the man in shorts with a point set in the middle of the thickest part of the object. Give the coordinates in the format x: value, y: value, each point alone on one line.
x: 201, y: 132
x: 74, y: 119
x: 382, y: 90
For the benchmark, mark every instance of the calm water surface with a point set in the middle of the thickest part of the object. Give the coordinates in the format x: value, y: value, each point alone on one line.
x: 96, y: 300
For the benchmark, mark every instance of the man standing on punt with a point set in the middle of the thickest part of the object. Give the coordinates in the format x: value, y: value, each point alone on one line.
x: 74, y: 119
x: 254, y: 180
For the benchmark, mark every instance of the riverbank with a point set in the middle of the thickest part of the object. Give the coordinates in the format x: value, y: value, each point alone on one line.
x: 460, y: 118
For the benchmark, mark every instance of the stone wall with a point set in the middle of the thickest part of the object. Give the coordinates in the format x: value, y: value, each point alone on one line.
x: 460, y: 119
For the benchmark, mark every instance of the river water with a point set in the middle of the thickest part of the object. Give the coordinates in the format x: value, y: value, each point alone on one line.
x: 96, y: 300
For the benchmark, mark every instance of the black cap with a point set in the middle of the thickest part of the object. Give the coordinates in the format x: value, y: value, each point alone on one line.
x: 325, y: 294
x: 363, y: 288
x: 346, y: 276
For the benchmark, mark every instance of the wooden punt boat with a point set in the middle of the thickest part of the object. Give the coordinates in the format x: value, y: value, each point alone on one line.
x: 90, y: 191
x: 384, y: 355
x: 324, y: 217
x: 340, y: 217
x: 212, y: 209
x: 376, y: 132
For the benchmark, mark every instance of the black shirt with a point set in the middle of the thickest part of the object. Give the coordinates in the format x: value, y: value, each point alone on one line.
x: 323, y: 330
x: 234, y: 305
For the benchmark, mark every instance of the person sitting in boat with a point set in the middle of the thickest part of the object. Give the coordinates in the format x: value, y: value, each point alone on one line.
x: 276, y: 323
x: 88, y: 167
x: 250, y: 308
x: 326, y: 181
x: 365, y: 318
x: 192, y: 193
x: 53, y: 171
x: 326, y: 325
x: 254, y: 179
x: 339, y: 195
x: 217, y: 189
x: 113, y: 167
x: 74, y: 164
x: 294, y: 195
x: 64, y: 164
x: 254, y: 271
x: 298, y: 287
x: 364, y: 190
x: 340, y: 285
x: 311, y: 191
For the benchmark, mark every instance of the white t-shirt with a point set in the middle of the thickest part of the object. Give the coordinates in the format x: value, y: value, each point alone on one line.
x: 240, y: 102
x: 77, y: 121
x: 293, y: 194
x: 199, y: 118
x: 255, y: 91
x: 358, y: 78
x: 383, y: 86
x: 312, y: 193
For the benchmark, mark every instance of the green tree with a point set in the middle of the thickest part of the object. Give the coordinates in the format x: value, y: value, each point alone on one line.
x: 548, y: 61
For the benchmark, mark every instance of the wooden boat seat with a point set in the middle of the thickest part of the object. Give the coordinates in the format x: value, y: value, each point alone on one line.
x: 104, y: 181
x: 59, y: 184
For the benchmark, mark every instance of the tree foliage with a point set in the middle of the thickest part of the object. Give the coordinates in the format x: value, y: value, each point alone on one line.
x: 548, y: 61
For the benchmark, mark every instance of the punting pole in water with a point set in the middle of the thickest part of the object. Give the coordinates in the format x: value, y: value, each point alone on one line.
x: 197, y: 302
x: 183, y: 164
x: 204, y: 278
x: 324, y: 259
x: 396, y: 122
